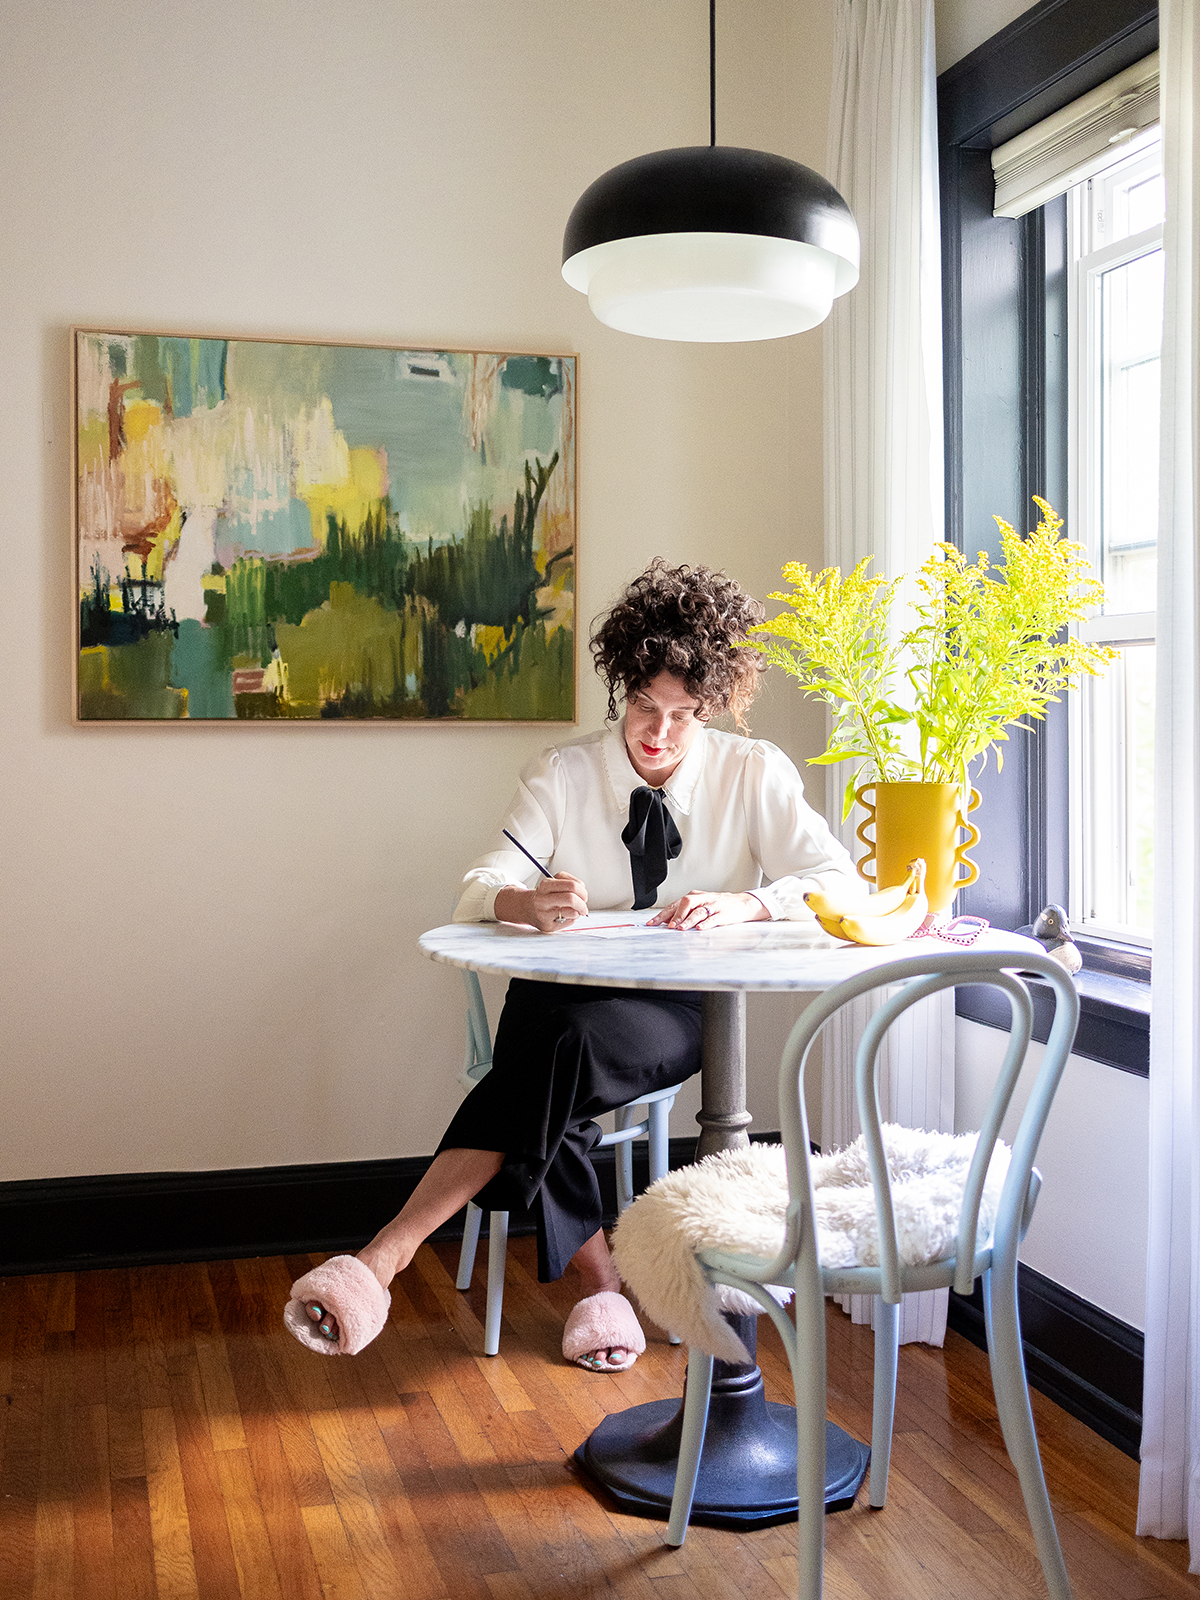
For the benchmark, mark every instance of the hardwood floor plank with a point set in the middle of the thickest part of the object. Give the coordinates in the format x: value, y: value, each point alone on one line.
x: 368, y: 1545
x: 783, y: 1570
x: 212, y: 1549
x: 208, y: 1340
x: 332, y: 1554
x: 481, y: 1546
x: 1162, y: 1561
x: 941, y: 1486
x: 149, y: 1341
x: 839, y: 1579
x: 20, y: 1469
x: 170, y: 1532
x: 416, y: 1531
x: 126, y: 1449
x: 251, y: 1545
x: 60, y: 1303
x: 294, y: 1424
x: 133, y: 1540
x: 53, y: 1550
x: 8, y: 1334
x: 367, y: 1388
x: 677, y: 1588
x: 88, y: 1328
x: 95, y: 1570
x: 1107, y: 1576
x: 715, y: 1558
x: 918, y: 1547
x: 54, y: 1521
x: 1019, y: 1558
x: 274, y: 1482
x: 56, y: 1471
x: 508, y: 1586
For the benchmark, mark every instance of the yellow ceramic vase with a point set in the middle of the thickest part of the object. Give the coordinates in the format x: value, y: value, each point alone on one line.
x: 918, y: 819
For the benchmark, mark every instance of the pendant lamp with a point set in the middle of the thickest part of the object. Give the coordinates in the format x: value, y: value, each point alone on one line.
x: 710, y: 243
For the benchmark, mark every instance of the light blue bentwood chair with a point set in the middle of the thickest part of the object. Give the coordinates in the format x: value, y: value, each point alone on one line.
x: 648, y: 1118
x: 994, y: 1257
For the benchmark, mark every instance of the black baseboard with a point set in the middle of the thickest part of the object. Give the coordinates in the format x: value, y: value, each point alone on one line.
x: 142, y: 1218
x: 1083, y: 1359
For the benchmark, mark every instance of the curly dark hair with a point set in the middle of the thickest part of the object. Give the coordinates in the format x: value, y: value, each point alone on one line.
x: 687, y: 621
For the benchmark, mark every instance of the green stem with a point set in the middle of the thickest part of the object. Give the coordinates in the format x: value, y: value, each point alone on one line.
x: 864, y: 721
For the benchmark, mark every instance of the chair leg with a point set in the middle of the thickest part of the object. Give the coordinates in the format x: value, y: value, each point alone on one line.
x: 497, y: 1251
x: 660, y: 1162
x: 623, y: 1160
x: 466, y: 1256
x: 659, y: 1120
x: 691, y: 1443
x: 805, y: 1346
x: 887, y: 1335
x: 624, y: 1175
x: 1016, y: 1423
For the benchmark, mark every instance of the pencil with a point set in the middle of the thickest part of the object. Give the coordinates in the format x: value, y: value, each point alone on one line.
x: 525, y: 853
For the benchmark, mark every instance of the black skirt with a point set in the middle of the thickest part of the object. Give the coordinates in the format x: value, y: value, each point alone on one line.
x: 563, y: 1055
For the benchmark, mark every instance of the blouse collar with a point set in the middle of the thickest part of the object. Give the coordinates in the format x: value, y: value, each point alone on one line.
x: 680, y: 787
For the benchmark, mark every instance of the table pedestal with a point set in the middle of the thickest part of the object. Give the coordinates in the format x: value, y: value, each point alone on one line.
x: 748, y: 1465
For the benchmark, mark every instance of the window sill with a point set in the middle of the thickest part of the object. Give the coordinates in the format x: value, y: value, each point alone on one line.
x: 1114, y: 1016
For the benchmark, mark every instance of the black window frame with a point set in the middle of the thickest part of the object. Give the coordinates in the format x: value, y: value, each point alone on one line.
x: 1005, y: 395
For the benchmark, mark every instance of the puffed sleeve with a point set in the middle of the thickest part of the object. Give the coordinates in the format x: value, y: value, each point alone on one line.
x: 534, y: 816
x: 791, y: 842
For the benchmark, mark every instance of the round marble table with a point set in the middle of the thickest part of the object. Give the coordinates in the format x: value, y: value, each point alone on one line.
x: 748, y: 1470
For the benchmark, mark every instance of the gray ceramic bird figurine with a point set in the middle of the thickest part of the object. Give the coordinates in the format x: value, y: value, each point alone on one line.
x: 1053, y: 932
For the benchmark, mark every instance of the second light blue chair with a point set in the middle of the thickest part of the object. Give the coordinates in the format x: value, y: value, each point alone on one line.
x: 645, y: 1118
x: 975, y: 1253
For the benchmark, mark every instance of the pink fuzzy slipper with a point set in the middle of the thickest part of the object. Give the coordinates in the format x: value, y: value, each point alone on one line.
x: 598, y: 1323
x: 351, y: 1292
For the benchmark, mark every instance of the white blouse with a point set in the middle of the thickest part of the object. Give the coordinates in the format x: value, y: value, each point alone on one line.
x: 738, y: 804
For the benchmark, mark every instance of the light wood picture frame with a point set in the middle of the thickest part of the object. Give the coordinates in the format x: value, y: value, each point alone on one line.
x: 270, y: 530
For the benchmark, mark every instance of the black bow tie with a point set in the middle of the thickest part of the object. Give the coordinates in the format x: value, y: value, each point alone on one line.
x: 652, y: 840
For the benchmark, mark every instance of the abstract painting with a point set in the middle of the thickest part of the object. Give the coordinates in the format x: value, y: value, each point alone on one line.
x: 289, y: 531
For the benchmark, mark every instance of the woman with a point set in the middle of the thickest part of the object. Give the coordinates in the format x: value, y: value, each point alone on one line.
x: 658, y: 811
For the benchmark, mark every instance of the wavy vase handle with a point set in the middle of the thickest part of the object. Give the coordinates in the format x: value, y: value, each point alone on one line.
x: 972, y: 832
x: 869, y: 807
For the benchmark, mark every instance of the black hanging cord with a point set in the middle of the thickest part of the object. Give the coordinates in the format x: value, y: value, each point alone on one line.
x: 712, y: 72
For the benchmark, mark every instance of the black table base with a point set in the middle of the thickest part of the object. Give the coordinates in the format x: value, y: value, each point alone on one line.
x: 747, y: 1473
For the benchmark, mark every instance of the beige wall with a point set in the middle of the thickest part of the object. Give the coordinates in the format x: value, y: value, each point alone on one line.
x: 1089, y: 1229
x: 962, y: 25
x: 207, y: 935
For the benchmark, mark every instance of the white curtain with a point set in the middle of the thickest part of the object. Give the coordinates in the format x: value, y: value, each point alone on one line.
x: 1169, y: 1499
x: 883, y: 464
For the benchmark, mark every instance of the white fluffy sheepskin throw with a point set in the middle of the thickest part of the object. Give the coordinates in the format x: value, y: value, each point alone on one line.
x: 737, y: 1202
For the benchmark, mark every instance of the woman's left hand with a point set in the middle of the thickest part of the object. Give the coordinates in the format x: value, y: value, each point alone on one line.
x: 704, y: 908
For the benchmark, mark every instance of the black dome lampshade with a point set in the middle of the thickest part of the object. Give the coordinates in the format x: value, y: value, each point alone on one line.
x: 711, y: 243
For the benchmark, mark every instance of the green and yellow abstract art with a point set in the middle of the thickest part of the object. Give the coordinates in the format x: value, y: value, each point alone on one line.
x: 321, y: 532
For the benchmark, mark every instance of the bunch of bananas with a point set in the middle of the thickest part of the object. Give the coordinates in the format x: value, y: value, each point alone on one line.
x: 885, y: 918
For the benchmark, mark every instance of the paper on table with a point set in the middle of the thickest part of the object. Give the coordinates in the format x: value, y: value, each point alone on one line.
x: 615, y: 924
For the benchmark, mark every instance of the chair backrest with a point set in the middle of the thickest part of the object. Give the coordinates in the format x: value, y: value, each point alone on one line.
x: 952, y: 968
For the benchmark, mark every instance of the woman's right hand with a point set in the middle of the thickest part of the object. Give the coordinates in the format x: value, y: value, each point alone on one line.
x: 553, y: 905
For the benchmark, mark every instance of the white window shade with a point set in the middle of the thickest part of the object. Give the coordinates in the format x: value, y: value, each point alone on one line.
x: 1076, y: 142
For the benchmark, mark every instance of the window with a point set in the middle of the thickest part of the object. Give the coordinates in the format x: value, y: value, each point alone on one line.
x: 1030, y: 113
x: 1114, y: 334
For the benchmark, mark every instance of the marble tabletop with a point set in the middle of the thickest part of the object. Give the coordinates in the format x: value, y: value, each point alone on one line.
x: 623, y: 951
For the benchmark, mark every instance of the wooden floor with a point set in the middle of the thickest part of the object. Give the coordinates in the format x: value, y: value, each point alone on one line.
x: 162, y: 1436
